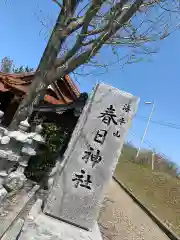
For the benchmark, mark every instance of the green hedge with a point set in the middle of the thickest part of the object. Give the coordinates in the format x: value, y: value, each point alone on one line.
x: 56, y: 140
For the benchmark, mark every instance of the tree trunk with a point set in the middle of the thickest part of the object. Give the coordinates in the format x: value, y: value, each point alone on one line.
x: 40, y: 81
x: 37, y: 89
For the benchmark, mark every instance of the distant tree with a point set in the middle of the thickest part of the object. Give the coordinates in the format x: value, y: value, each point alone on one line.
x: 7, y: 66
x: 22, y: 69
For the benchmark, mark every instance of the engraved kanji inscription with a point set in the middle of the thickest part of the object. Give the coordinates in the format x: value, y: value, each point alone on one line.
x: 126, y: 108
x: 82, y: 180
x: 100, y: 136
x: 93, y: 156
x: 117, y: 134
x: 109, y: 115
x: 121, y: 120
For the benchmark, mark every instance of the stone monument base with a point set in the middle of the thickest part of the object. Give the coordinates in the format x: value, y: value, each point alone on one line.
x: 39, y: 226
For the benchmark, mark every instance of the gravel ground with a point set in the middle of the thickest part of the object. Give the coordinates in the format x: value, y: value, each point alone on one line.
x: 121, y: 219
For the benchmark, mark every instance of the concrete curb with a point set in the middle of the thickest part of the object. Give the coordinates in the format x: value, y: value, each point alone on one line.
x: 155, y: 219
x: 14, y: 231
x: 10, y: 219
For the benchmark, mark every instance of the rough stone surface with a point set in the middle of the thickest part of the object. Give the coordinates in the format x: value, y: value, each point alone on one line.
x: 3, y: 194
x: 3, y: 163
x: 9, y: 155
x: 20, y: 136
x: 28, y: 150
x: 15, y: 181
x: 52, y: 174
x: 104, y: 118
x: 46, y: 228
x: 5, y: 140
x: 13, y: 206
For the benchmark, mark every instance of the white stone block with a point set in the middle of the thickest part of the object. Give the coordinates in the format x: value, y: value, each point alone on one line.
x: 91, y: 157
x: 3, y: 194
x: 15, y: 181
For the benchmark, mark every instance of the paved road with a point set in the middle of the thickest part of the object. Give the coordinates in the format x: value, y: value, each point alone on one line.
x: 121, y: 219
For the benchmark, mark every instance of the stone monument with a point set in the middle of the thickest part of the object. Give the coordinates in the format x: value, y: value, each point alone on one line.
x: 73, y: 205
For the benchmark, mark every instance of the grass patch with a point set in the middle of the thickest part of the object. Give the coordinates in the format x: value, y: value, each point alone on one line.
x: 159, y: 192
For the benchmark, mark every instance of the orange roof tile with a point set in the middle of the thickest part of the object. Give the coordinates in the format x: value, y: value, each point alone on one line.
x: 14, y: 79
x: 72, y: 85
x: 21, y: 82
x: 53, y: 100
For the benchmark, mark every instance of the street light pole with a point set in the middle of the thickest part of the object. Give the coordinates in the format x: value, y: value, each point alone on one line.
x: 147, y: 125
x: 153, y: 159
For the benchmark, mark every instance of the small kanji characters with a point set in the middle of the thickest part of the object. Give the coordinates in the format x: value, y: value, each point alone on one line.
x: 91, y: 155
x: 126, y: 108
x: 117, y: 134
x: 81, y: 181
x: 121, y: 120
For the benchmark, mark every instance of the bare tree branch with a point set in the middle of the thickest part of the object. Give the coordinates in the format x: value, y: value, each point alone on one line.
x: 75, y: 62
x: 80, y: 34
x: 70, y: 6
x: 93, y: 9
x: 58, y: 3
x: 89, y: 3
x: 88, y: 42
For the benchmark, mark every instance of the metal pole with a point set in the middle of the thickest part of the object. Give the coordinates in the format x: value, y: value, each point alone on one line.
x: 153, y: 158
x: 145, y: 131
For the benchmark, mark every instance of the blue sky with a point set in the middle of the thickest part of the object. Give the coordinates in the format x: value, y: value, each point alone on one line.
x: 23, y: 38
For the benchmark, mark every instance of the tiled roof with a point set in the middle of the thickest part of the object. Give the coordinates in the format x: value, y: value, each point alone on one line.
x: 52, y: 100
x: 72, y: 85
x: 21, y: 82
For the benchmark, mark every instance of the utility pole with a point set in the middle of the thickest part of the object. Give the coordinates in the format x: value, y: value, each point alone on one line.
x: 147, y: 125
x: 153, y: 159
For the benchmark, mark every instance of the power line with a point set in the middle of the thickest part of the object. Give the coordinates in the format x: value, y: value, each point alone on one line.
x: 154, y: 148
x: 162, y: 123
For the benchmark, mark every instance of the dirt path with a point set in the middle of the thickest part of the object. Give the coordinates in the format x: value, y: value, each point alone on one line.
x: 121, y: 219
